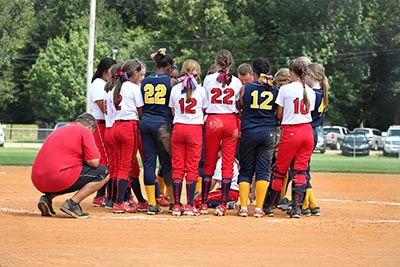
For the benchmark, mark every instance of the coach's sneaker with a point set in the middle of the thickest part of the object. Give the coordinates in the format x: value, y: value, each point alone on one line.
x: 284, y: 204
x: 220, y: 210
x: 306, y: 212
x: 98, y: 201
x: 142, y: 206
x: 191, y: 211
x: 231, y: 205
x: 315, y: 212
x: 295, y: 212
x: 153, y: 210
x: 243, y: 212
x: 109, y: 204
x: 45, y: 206
x: 177, y: 210
x: 124, y: 207
x: 204, y: 209
x: 258, y: 213
x: 73, y: 209
x: 269, y: 211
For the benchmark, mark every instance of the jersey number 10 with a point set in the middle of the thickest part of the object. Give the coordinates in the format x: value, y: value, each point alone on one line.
x: 299, y: 106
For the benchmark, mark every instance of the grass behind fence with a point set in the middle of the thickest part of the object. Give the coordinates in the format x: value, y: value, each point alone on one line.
x: 27, y: 133
x: 319, y: 162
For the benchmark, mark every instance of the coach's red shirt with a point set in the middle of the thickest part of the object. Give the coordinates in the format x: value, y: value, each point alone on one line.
x: 59, y: 162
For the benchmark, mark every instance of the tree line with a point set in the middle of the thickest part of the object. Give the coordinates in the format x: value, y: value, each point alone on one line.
x: 44, y: 43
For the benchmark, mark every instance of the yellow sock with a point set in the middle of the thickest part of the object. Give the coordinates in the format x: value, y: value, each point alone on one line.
x: 288, y: 194
x: 151, y: 191
x: 285, y: 182
x: 198, y: 184
x: 170, y: 192
x: 306, y: 201
x: 161, y: 184
x: 261, y: 190
x: 312, y: 199
x: 244, y: 190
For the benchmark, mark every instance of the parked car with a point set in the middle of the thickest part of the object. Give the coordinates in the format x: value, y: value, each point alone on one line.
x: 392, y: 141
x: 335, y: 136
x: 60, y: 124
x: 355, y: 144
x: 375, y: 138
x: 321, y: 144
x: 2, y: 136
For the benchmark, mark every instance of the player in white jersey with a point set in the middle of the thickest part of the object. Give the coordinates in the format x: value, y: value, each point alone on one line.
x: 187, y: 102
x: 222, y: 127
x: 295, y: 102
x: 96, y: 96
x: 109, y: 117
x: 128, y: 102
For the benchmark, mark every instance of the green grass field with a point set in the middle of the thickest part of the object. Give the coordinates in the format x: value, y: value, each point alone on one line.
x: 339, y: 163
x: 319, y: 162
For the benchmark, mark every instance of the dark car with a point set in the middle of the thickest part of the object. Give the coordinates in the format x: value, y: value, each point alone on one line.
x: 355, y: 145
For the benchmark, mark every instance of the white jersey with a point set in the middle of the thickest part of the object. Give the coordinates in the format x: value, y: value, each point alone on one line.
x: 109, y: 108
x: 290, y: 97
x: 218, y: 175
x: 221, y: 100
x: 188, y: 112
x: 131, y: 99
x: 96, y: 92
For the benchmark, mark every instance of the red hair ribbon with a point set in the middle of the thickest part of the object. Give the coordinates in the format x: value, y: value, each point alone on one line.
x: 224, y: 76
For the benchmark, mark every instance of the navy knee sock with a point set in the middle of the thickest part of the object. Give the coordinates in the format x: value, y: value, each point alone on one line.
x: 122, y: 186
x: 190, y: 191
x: 177, y: 188
x: 205, y: 185
x: 225, y: 188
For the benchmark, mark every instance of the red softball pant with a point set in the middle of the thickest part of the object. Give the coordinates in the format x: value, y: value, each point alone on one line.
x: 216, y: 196
x: 125, y: 134
x: 112, y: 154
x: 186, y: 144
x: 100, y: 143
x: 297, y: 142
x: 222, y: 131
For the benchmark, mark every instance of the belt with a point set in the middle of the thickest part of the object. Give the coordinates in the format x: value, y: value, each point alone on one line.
x: 123, y: 120
x: 101, y: 121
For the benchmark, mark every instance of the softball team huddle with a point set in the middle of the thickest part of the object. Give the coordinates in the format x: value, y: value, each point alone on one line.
x: 186, y: 124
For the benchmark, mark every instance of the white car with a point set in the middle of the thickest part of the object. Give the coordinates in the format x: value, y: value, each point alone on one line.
x: 375, y: 138
x: 392, y: 141
x: 2, y: 136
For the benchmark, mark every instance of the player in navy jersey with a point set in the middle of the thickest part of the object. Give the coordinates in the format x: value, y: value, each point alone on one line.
x: 156, y: 124
x: 317, y: 80
x: 258, y: 134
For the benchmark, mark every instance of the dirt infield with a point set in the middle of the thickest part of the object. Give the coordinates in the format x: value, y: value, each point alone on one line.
x: 359, y: 226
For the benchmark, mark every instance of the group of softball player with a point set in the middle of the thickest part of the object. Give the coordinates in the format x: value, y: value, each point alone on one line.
x: 186, y: 125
